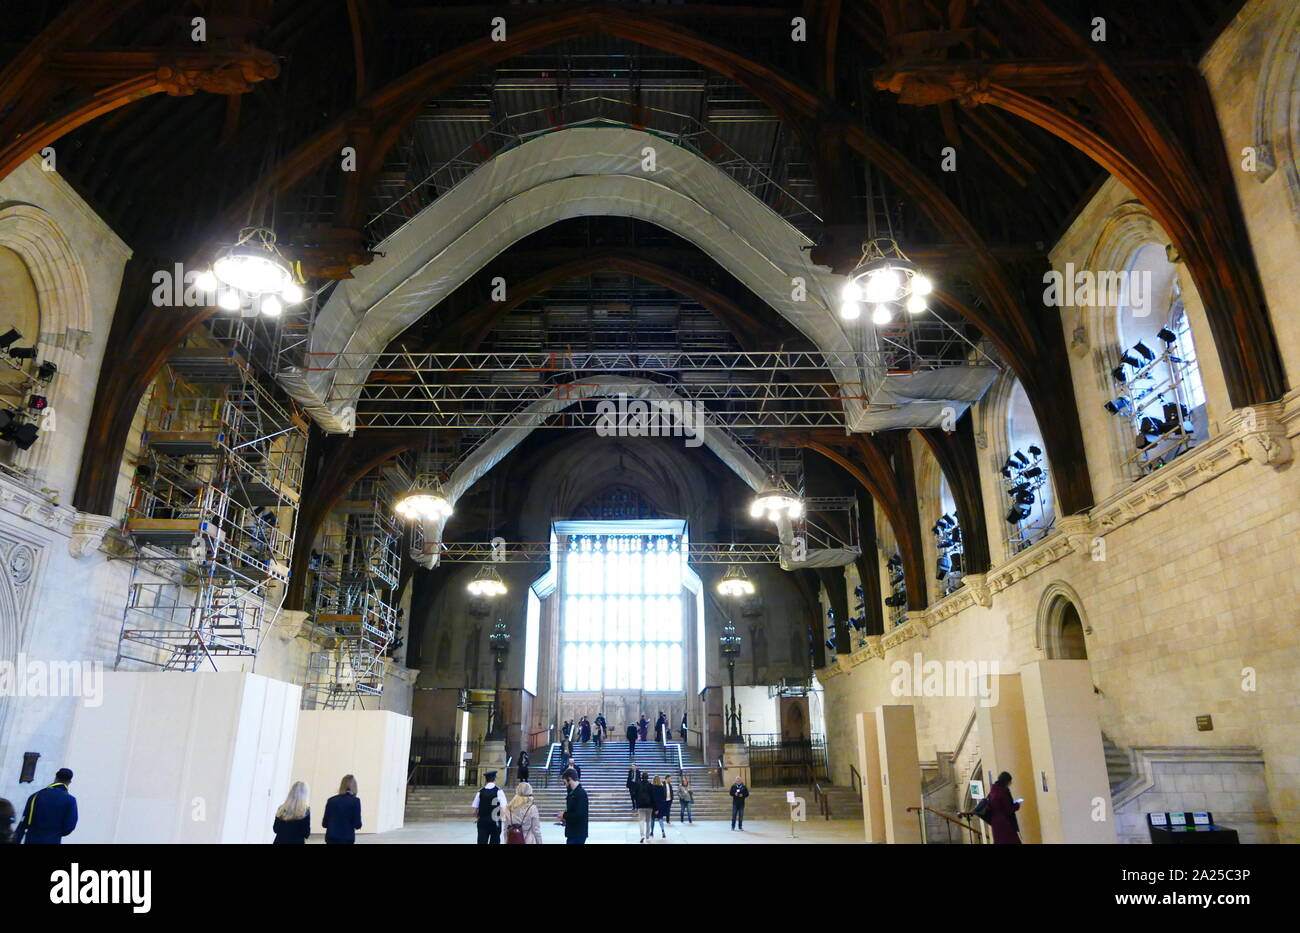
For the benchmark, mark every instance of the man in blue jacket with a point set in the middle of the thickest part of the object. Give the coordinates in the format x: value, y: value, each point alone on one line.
x: 50, y: 813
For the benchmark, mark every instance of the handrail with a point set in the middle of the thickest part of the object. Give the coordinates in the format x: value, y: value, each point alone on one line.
x: 855, y: 781
x: 821, y: 798
x: 718, y: 775
x: 976, y: 836
x: 532, y: 744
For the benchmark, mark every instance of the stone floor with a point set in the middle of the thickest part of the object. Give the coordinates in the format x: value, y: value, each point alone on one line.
x: 757, y: 832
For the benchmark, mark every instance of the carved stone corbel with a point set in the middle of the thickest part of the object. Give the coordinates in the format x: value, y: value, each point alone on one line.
x: 1078, y: 531
x: 978, y: 585
x: 88, y: 531
x: 1263, y: 434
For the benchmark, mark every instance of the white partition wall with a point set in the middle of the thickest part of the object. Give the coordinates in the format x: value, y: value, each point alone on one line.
x: 1072, y: 788
x: 372, y: 745
x: 900, y: 773
x: 873, y: 804
x: 183, y: 758
x: 1004, y: 746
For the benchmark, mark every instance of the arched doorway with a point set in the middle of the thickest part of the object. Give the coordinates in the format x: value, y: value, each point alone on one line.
x: 1062, y: 626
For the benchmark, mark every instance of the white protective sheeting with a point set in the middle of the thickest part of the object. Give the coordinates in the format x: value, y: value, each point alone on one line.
x: 569, y: 173
x: 925, y: 399
x: 715, y: 437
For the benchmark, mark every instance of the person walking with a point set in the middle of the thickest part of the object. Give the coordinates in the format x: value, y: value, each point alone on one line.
x: 602, y: 729
x: 575, y: 811
x: 685, y: 798
x: 645, y: 805
x: 49, y: 814
x: 490, y: 808
x: 631, y: 741
x: 524, y: 816
x: 668, y: 801
x: 292, y: 823
x: 584, y: 730
x: 682, y: 730
x: 738, y: 794
x: 660, y: 721
x: 660, y: 796
x: 523, y: 765
x: 342, y: 814
x: 1001, y: 812
x: 643, y: 727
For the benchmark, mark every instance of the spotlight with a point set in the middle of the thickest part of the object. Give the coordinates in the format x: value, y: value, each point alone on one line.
x: 1121, y: 406
x: 1144, y: 351
x: 1118, y: 375
x: 23, y: 353
x: 1033, y: 472
x: 1131, y: 360
x: 1017, y: 514
x: 1019, y: 455
x: 1167, y: 336
x: 830, y: 644
x: 8, y: 337
x: 47, y: 370
x: 1025, y: 498
x: 38, y: 402
x: 1035, y: 450
x: 19, y: 433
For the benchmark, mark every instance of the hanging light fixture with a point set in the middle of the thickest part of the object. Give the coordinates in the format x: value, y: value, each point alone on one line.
x: 735, y: 582
x: 776, y: 500
x: 424, y: 500
x: 487, y: 582
x: 252, y: 272
x: 887, y: 280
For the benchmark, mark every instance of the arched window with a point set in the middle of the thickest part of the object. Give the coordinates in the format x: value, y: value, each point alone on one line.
x: 947, y: 541
x: 622, y: 627
x: 1026, y: 476
x: 1157, y: 382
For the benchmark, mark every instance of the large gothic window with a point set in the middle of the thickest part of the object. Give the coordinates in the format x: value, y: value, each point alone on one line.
x: 622, y: 627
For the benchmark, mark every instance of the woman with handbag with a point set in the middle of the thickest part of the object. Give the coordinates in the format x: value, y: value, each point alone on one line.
x: 1000, y: 812
x: 525, y: 822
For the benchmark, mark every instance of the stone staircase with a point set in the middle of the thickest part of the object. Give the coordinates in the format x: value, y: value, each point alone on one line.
x: 604, y: 775
x: 1119, y: 768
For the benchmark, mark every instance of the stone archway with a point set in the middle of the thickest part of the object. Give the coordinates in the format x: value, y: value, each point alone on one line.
x: 1062, y: 625
x: 63, y: 296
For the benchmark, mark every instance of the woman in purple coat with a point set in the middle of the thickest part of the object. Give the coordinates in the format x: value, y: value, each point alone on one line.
x: 1001, y: 812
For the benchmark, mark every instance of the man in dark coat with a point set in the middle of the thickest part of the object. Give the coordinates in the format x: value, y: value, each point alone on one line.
x: 49, y: 814
x: 631, y: 741
x: 738, y: 794
x: 632, y: 776
x: 575, y: 810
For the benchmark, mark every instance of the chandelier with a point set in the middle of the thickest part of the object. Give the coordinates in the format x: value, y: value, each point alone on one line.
x: 487, y: 582
x: 424, y: 502
x: 886, y: 281
x: 775, y: 501
x: 735, y: 582
x: 252, y: 274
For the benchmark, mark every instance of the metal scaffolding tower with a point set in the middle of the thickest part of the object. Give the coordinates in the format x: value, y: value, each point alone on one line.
x: 352, y: 582
x: 212, y: 509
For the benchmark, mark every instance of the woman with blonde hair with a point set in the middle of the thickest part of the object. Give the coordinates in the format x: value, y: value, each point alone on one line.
x: 524, y: 817
x: 292, y: 823
x: 343, y: 814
